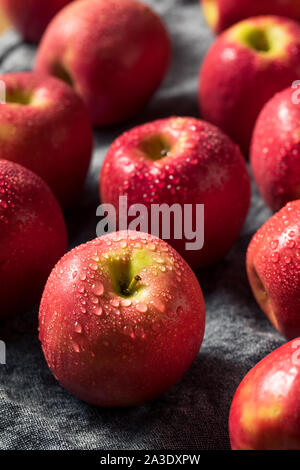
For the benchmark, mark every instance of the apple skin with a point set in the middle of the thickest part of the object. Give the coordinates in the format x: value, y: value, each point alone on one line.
x: 236, y: 80
x: 273, y: 267
x: 110, y: 350
x: 45, y: 127
x: 114, y: 53
x: 31, y: 20
x: 33, y: 237
x: 203, y: 167
x: 221, y: 14
x: 265, y: 411
x: 275, y: 150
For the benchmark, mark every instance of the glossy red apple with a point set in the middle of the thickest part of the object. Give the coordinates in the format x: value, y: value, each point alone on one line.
x: 114, y: 53
x: 45, y: 127
x: 32, y: 237
x: 244, y: 68
x: 30, y: 17
x: 275, y: 150
x: 273, y: 266
x: 121, y: 319
x: 182, y: 160
x: 265, y: 412
x: 221, y: 14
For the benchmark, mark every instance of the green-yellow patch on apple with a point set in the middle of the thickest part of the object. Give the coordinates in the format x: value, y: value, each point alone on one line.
x: 211, y: 12
x: 265, y: 38
x: 18, y: 97
x: 270, y: 412
x: 124, y: 269
x: 7, y: 131
x: 156, y: 146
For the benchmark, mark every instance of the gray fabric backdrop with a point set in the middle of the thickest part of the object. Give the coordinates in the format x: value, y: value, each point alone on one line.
x: 35, y: 412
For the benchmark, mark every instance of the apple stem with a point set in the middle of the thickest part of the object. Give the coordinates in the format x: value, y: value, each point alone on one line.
x: 133, y: 284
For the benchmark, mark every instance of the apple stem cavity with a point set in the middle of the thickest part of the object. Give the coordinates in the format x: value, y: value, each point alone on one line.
x: 18, y: 97
x: 156, y: 147
x: 266, y: 38
x: 259, y: 40
x: 60, y: 71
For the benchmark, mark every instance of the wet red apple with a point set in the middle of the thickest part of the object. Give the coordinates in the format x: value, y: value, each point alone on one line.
x: 45, y: 127
x: 273, y: 266
x: 221, y: 14
x: 32, y: 237
x: 275, y: 149
x: 121, y: 319
x: 244, y: 68
x: 31, y: 17
x: 265, y: 412
x: 183, y: 161
x: 114, y: 53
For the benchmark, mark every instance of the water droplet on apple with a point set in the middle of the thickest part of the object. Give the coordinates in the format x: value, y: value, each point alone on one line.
x: 76, y: 347
x: 98, y: 289
x: 78, y: 328
x: 179, y: 310
x: 99, y: 311
x: 274, y: 244
x: 275, y: 257
x: 142, y: 308
x: 94, y: 266
x: 128, y: 331
x: 115, y: 302
x: 94, y: 299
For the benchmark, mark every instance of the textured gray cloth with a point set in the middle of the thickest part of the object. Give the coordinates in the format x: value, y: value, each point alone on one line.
x: 35, y: 412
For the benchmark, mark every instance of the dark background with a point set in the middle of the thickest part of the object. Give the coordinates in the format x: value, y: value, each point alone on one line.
x: 35, y: 412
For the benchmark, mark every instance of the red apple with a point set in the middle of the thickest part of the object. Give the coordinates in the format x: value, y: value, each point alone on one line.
x: 31, y: 17
x: 121, y: 319
x: 221, y: 14
x: 265, y: 412
x: 44, y: 126
x: 182, y: 160
x: 115, y: 54
x: 275, y: 150
x: 32, y: 237
x: 244, y: 68
x: 273, y: 266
